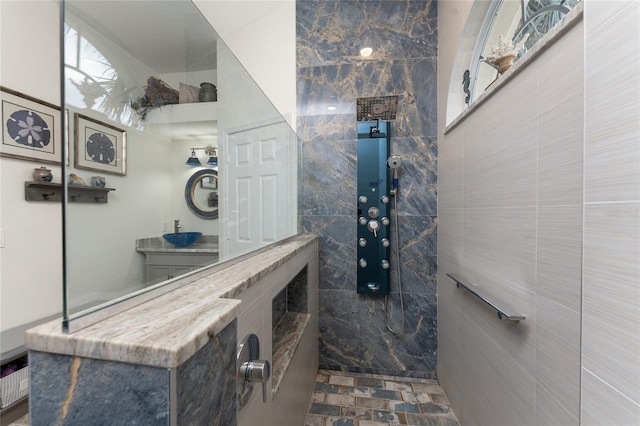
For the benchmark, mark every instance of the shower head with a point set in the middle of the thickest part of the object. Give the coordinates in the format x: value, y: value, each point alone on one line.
x: 394, y: 161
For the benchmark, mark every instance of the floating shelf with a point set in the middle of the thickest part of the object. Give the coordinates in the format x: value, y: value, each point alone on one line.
x: 48, y: 191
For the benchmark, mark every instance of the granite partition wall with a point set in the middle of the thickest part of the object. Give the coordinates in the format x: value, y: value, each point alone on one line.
x: 403, y: 34
x: 68, y: 390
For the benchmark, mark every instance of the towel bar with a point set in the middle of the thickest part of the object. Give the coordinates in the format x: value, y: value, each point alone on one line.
x: 503, y: 313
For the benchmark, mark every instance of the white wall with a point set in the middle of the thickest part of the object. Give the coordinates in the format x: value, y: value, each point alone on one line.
x: 516, y: 218
x: 31, y: 250
x: 262, y: 35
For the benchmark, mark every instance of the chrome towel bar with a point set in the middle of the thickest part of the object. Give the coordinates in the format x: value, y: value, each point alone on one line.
x: 503, y: 312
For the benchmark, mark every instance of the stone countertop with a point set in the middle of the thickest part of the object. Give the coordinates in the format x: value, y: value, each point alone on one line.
x: 168, y: 330
x: 206, y: 244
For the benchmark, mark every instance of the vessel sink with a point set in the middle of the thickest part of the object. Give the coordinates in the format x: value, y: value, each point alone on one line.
x: 182, y: 239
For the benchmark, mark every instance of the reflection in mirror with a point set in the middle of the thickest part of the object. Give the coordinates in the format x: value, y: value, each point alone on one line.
x: 134, y: 71
x: 201, y: 194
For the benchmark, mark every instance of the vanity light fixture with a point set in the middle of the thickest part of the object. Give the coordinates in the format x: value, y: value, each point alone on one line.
x: 193, y: 160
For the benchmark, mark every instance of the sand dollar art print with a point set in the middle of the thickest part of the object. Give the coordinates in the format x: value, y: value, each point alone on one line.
x: 100, y: 148
x: 28, y: 128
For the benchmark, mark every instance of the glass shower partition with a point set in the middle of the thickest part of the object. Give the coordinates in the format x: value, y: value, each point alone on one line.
x: 148, y: 88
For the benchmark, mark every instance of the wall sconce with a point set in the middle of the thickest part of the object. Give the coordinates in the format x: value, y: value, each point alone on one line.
x: 193, y: 161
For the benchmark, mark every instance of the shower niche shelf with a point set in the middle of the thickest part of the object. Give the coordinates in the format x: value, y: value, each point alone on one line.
x: 289, y: 321
x: 49, y: 191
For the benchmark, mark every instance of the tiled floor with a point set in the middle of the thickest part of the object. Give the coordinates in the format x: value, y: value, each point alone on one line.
x: 355, y: 399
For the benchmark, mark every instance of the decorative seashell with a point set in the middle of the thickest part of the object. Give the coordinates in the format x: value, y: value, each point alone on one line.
x: 74, y: 179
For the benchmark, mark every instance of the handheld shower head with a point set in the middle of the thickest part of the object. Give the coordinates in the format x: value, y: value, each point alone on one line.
x: 394, y: 162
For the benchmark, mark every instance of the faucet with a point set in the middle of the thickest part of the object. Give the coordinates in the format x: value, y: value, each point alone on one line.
x: 176, y: 226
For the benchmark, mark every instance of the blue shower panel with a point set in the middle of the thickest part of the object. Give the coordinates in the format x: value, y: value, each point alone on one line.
x: 373, y: 245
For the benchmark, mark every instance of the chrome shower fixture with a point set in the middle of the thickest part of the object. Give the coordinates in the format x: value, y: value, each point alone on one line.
x: 394, y: 162
x: 377, y: 108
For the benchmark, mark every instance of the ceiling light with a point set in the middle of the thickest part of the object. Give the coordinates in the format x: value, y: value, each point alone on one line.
x: 366, y: 52
x: 332, y: 107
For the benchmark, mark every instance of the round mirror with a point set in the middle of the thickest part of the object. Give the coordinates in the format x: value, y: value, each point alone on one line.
x: 201, y: 193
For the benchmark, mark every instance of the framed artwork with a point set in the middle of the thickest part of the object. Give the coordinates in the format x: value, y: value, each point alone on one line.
x: 30, y: 128
x: 209, y: 182
x: 99, y: 146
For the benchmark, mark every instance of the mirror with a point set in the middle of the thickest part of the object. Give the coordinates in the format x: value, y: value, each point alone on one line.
x: 133, y: 71
x: 201, y: 194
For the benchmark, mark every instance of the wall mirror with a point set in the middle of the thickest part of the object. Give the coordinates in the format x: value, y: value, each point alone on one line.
x: 201, y: 194
x: 134, y: 71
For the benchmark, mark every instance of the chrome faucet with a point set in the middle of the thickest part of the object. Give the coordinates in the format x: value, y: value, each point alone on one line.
x: 176, y: 226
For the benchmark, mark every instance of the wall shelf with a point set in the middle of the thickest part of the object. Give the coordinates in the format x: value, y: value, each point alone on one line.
x: 48, y: 191
x: 504, y: 311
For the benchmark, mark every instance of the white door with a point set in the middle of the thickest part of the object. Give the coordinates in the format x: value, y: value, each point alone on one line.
x: 258, y: 206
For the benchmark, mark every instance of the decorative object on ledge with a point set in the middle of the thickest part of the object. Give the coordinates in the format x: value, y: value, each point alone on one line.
x: 30, y: 128
x: 208, y: 92
x: 157, y: 94
x: 504, y: 53
x: 74, y: 179
x: 503, y: 311
x: 466, y: 80
x: 42, y: 174
x: 47, y: 191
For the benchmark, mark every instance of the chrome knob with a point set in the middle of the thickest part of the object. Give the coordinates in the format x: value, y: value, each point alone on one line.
x: 373, y: 212
x: 385, y: 242
x: 363, y: 220
x: 385, y: 264
x: 362, y: 242
x: 385, y: 220
x: 257, y: 371
x: 373, y: 225
x: 362, y: 263
x: 363, y: 199
x: 384, y: 199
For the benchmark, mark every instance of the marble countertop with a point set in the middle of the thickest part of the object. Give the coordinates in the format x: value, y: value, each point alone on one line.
x: 206, y: 244
x: 168, y: 330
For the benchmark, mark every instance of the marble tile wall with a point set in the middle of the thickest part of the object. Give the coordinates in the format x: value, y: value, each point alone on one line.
x: 353, y: 335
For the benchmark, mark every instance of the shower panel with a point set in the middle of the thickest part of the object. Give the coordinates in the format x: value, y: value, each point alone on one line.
x: 373, y: 253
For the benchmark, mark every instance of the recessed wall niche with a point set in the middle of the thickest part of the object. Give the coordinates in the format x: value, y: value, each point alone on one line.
x: 289, y: 320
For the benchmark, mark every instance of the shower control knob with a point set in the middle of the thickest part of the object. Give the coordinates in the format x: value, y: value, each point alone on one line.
x: 257, y: 371
x: 385, y: 264
x: 385, y: 220
x: 373, y: 226
x: 373, y: 212
x: 363, y: 199
x: 363, y: 220
x: 362, y: 242
x: 362, y: 263
x: 385, y: 242
x: 384, y: 199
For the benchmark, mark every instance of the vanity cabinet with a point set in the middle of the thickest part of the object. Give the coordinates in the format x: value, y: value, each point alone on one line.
x: 164, y: 266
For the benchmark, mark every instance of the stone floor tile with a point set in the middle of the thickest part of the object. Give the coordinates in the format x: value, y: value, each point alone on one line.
x: 345, y: 400
x: 439, y: 398
x: 326, y: 387
x: 339, y: 421
x: 370, y: 382
x: 426, y: 387
x: 358, y: 391
x: 322, y: 378
x: 398, y: 386
x: 368, y: 423
x: 324, y: 409
x: 381, y: 404
x: 449, y: 421
x: 415, y: 396
x: 422, y: 420
x: 390, y: 417
x: 404, y: 407
x: 358, y: 412
x: 436, y: 409
x: 386, y: 394
x: 318, y: 397
x: 314, y: 420
x: 341, y: 380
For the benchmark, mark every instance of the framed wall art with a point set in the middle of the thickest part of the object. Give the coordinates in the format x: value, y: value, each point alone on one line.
x: 30, y: 128
x: 99, y: 146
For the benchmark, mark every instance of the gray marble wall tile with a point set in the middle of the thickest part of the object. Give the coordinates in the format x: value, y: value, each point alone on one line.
x: 333, y: 31
x: 68, y: 390
x: 363, y: 344
x: 330, y: 72
x: 206, y: 383
x: 278, y: 307
x: 297, y: 292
